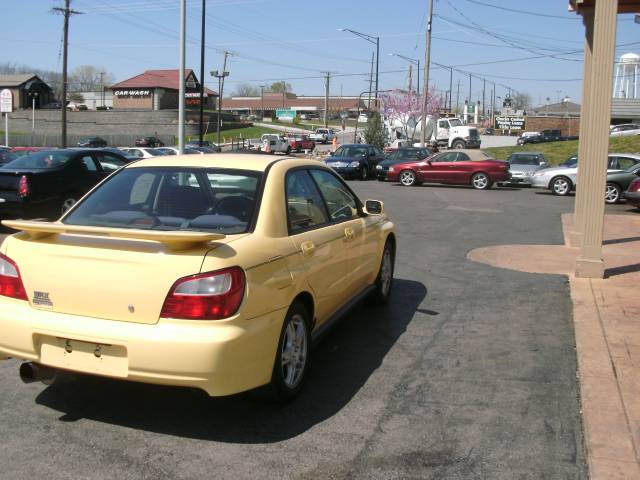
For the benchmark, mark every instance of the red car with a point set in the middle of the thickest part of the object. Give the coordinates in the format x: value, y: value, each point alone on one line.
x: 456, y: 167
x: 299, y: 142
x: 21, y: 151
x: 633, y: 193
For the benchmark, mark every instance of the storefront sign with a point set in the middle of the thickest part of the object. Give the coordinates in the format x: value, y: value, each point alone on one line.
x: 510, y: 123
x: 132, y: 93
x: 6, y: 101
x: 288, y: 115
x: 194, y: 95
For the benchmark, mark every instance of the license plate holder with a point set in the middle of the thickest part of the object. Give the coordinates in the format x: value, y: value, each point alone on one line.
x: 82, y: 356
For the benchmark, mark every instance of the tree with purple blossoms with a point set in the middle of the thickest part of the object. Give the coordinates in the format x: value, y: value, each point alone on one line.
x: 405, y: 107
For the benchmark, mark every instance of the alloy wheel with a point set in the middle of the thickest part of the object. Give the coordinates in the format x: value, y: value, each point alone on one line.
x: 612, y: 193
x: 386, y: 273
x: 407, y: 178
x: 561, y: 186
x: 480, y: 181
x: 294, y: 351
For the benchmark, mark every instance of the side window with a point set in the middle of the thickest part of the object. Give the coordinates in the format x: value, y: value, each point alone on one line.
x: 611, y: 162
x: 88, y: 164
x: 443, y: 124
x: 141, y: 188
x: 446, y: 157
x: 109, y: 163
x: 305, y: 207
x: 625, y: 163
x: 342, y: 205
x: 462, y: 157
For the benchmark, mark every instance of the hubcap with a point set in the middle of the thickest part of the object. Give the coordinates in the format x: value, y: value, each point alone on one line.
x: 406, y: 178
x: 561, y: 186
x: 294, y: 351
x: 611, y: 195
x: 480, y: 181
x: 386, y: 273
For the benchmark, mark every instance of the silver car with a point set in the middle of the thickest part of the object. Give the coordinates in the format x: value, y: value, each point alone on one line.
x: 523, y: 165
x: 562, y: 180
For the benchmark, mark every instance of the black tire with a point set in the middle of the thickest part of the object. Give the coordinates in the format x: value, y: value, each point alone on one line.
x: 613, y: 193
x: 481, y: 181
x: 387, y: 266
x: 281, y: 387
x: 364, y: 174
x: 561, y: 186
x: 407, y: 178
x: 458, y: 144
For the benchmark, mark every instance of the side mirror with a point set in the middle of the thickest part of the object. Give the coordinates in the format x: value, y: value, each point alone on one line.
x: 373, y: 207
x: 331, y: 153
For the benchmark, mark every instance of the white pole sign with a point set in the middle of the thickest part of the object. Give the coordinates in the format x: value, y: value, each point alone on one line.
x: 6, y: 107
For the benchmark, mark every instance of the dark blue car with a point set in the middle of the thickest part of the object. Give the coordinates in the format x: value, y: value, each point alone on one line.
x: 357, y: 161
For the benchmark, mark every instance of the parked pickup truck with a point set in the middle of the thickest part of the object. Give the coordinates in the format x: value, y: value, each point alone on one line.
x: 323, y: 135
x: 273, y: 143
x: 299, y: 142
x: 48, y: 183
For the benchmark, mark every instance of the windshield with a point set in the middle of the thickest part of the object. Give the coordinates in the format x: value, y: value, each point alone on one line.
x: 524, y: 160
x: 155, y: 152
x: 351, y: 151
x: 172, y: 198
x: 408, y: 155
x: 41, y: 160
x: 7, y: 156
x: 455, y: 122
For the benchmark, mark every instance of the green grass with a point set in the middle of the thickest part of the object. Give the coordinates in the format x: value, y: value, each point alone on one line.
x: 557, y: 152
x: 248, y: 132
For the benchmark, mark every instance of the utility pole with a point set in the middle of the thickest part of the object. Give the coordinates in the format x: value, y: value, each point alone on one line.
x: 181, y: 91
x: 225, y: 73
x: 326, y: 99
x: 262, y: 102
x: 469, y: 98
x: 202, y: 40
x: 101, y: 89
x: 410, y: 79
x: 450, y: 87
x: 425, y: 87
x: 483, y: 92
x: 370, y: 83
x: 284, y: 89
x: 377, y: 66
x: 67, y: 12
x: 458, y: 98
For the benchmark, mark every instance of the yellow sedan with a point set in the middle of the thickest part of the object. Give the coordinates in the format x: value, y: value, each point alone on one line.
x: 205, y: 271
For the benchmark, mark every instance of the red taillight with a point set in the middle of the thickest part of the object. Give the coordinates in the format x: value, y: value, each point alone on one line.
x: 10, y: 281
x: 635, y: 186
x: 207, y: 296
x: 23, y: 186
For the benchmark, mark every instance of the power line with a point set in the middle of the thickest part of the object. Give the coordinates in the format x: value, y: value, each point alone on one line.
x: 525, y: 12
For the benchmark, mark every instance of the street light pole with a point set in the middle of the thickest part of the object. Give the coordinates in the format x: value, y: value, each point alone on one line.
x: 202, y: 40
x: 413, y: 61
x: 181, y: 91
x: 376, y: 42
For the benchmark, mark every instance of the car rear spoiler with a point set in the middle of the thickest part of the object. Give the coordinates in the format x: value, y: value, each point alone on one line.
x: 173, y: 240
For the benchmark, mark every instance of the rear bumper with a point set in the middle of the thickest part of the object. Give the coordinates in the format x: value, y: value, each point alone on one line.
x: 633, y: 198
x: 219, y: 357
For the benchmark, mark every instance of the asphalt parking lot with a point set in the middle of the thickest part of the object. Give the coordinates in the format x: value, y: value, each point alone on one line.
x: 469, y: 372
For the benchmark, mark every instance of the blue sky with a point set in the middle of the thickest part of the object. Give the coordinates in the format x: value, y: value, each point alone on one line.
x: 297, y: 40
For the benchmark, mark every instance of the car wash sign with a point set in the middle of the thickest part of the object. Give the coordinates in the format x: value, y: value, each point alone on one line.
x: 510, y: 122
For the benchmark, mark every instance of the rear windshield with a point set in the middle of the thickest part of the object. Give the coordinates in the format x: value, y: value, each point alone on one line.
x: 524, y: 160
x: 177, y: 199
x: 41, y: 160
x: 7, y: 156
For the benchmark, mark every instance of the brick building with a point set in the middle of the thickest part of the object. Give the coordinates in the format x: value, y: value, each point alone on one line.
x: 158, y: 90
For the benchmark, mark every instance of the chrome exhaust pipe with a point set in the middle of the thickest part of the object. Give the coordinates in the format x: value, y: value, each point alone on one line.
x: 31, y: 372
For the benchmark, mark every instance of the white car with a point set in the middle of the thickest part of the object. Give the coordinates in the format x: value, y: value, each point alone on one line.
x: 273, y: 143
x: 624, y: 130
x: 363, y: 118
x: 142, y: 152
x: 562, y: 180
x: 323, y: 135
x: 176, y: 151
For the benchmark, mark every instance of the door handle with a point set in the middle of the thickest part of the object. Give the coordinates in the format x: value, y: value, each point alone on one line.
x: 307, y: 248
x: 349, y: 233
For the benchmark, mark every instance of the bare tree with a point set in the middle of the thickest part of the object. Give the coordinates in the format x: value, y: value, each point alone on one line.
x: 87, y: 78
x: 521, y: 101
x: 246, y: 90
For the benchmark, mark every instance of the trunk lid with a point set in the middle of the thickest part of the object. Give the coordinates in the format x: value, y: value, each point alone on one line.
x: 95, y: 275
x: 9, y: 181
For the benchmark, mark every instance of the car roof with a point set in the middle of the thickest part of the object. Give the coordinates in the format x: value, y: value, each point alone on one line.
x: 632, y: 155
x: 236, y: 161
